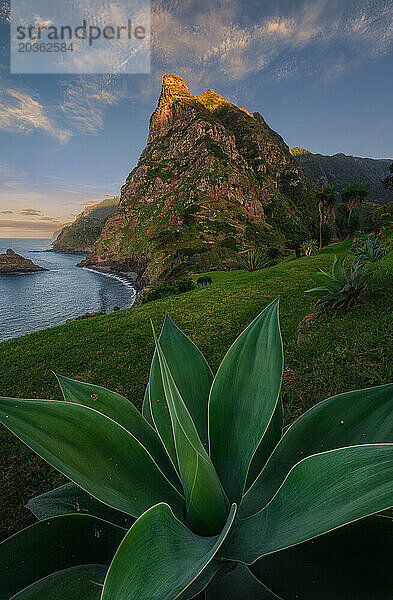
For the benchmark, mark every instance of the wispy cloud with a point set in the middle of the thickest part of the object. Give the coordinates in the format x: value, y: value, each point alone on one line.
x: 85, y: 103
x: 21, y: 112
x: 220, y: 44
x: 30, y: 212
x: 47, y: 227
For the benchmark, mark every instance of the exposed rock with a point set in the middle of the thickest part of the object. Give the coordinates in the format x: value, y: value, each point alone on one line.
x: 10, y: 262
x: 210, y: 171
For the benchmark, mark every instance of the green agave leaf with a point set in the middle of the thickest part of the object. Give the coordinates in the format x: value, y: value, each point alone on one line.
x: 122, y: 411
x: 207, y: 505
x: 354, y: 562
x: 270, y: 440
x: 322, y: 492
x: 363, y: 416
x: 146, y: 412
x: 238, y: 583
x: 193, y: 379
x: 160, y: 557
x: 53, y: 545
x: 76, y: 583
x: 93, y: 451
x: 197, y: 587
x: 70, y: 498
x: 243, y: 399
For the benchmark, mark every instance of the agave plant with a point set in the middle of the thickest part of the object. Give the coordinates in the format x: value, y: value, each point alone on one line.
x: 342, y: 287
x: 202, y: 496
x: 253, y: 260
x: 370, y: 250
x: 309, y: 246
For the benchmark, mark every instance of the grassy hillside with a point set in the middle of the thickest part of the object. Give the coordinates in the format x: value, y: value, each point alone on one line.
x: 338, y: 353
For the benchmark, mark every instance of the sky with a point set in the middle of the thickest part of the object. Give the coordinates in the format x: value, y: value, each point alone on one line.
x: 319, y: 71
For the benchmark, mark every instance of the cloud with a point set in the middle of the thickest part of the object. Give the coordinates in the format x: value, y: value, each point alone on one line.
x: 30, y: 212
x: 22, y: 113
x: 31, y: 225
x: 85, y: 103
x: 221, y: 43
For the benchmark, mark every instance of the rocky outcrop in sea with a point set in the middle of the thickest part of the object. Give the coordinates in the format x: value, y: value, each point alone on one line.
x: 10, y: 262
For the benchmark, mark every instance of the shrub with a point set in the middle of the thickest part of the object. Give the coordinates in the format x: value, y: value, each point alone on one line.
x: 204, y: 281
x: 272, y: 252
x: 180, y: 500
x: 163, y: 290
x: 189, y: 216
x: 346, y: 224
x: 308, y: 247
x: 370, y: 250
x: 327, y: 231
x: 229, y: 242
x: 342, y: 287
x: 166, y: 237
x: 191, y: 251
x: 253, y: 260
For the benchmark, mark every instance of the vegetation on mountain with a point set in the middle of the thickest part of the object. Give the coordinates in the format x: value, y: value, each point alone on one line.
x: 340, y: 170
x: 213, y: 180
x: 211, y: 483
x: 388, y: 181
x: 80, y: 235
x: 375, y: 220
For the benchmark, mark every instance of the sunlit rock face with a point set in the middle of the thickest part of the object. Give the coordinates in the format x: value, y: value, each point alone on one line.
x: 213, y: 180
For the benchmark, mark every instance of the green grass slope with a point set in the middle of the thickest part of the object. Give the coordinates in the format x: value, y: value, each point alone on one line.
x: 339, y: 353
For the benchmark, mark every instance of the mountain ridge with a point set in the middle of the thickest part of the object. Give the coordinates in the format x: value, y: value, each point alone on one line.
x: 342, y: 169
x: 80, y: 235
x: 212, y: 180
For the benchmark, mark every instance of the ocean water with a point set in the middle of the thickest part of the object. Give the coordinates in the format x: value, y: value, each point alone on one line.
x: 34, y: 301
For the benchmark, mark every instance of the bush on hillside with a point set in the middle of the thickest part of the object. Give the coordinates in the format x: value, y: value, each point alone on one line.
x: 342, y: 287
x: 346, y: 227
x: 253, y: 260
x: 370, y: 249
x: 204, y: 281
x: 163, y: 290
x: 229, y: 242
x: 272, y: 252
x: 309, y: 247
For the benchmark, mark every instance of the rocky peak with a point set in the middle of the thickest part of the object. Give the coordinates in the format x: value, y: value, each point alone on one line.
x: 173, y: 88
x: 174, y: 102
x: 213, y: 180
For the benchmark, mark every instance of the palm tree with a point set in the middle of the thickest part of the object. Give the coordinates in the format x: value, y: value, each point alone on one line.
x: 353, y: 195
x: 326, y: 198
